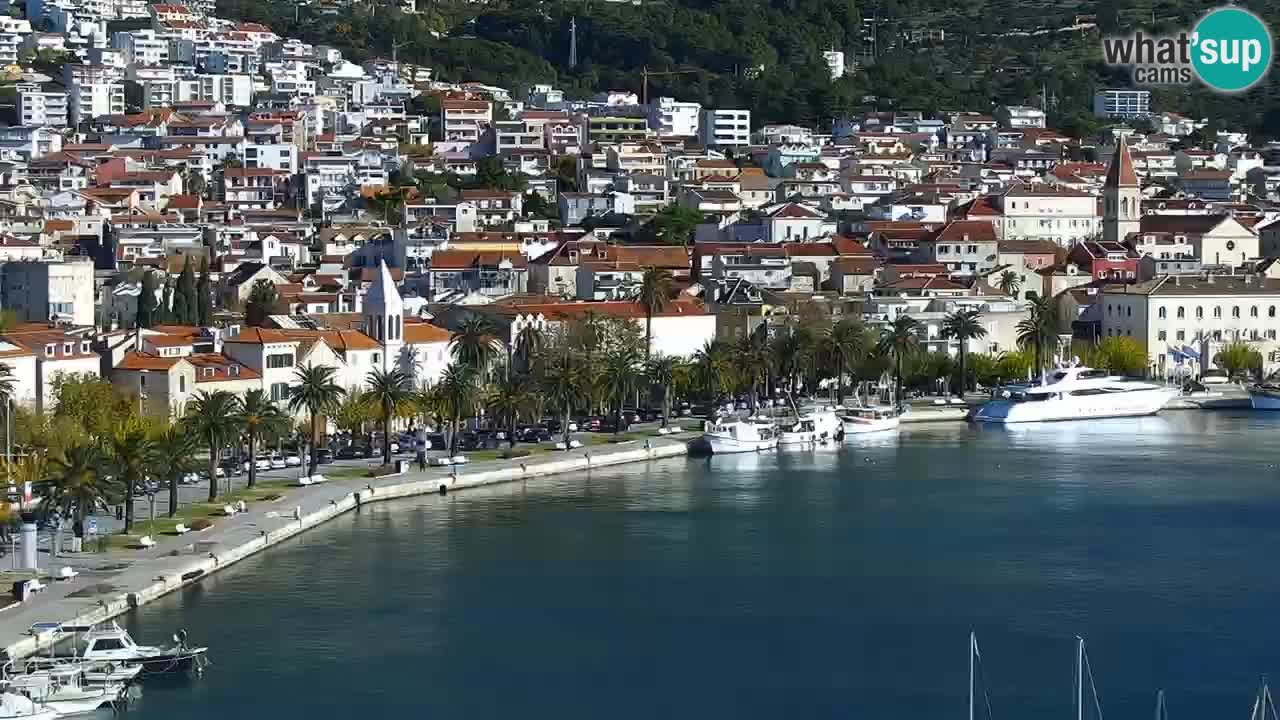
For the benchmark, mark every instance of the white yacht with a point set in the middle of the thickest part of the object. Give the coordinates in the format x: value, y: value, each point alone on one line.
x: 1076, y: 393
x: 812, y: 428
x: 738, y: 436
x: 871, y: 419
x: 63, y: 690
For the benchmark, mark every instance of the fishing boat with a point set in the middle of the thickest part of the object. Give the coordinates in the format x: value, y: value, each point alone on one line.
x: 110, y: 643
x: 739, y: 436
x: 871, y: 419
x: 814, y: 428
x: 63, y: 690
x: 94, y: 672
x: 1076, y: 393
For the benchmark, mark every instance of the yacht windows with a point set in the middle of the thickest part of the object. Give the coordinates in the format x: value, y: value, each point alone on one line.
x: 1092, y: 374
x: 108, y: 644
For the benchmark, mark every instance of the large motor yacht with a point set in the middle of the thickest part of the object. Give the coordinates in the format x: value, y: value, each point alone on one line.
x: 1076, y: 393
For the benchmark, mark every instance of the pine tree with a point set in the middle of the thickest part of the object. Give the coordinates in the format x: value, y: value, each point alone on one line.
x: 184, y: 296
x: 146, y: 302
x: 164, y: 313
x: 204, y: 306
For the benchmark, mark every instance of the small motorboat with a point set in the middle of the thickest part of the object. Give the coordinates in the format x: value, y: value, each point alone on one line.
x: 64, y: 690
x: 20, y: 707
x: 110, y: 643
x: 872, y: 419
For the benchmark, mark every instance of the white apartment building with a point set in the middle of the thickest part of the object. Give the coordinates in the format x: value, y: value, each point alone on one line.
x: 1047, y: 212
x: 88, y: 101
x: 42, y: 107
x: 143, y: 47
x: 10, y: 46
x: 1171, y: 314
x: 230, y: 90
x: 1017, y: 117
x: 726, y: 128
x: 465, y: 120
x: 274, y: 156
x: 835, y: 63
x: 1122, y: 103
x: 329, y: 178
x: 670, y: 118
x: 26, y: 143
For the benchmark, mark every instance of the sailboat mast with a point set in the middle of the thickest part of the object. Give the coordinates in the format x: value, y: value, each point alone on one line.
x: 973, y: 647
x: 1079, y: 678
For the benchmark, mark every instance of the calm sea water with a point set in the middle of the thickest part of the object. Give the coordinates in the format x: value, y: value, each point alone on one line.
x: 828, y: 584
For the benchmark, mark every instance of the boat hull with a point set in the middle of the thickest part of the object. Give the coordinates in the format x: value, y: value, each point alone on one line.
x: 725, y: 445
x: 1136, y: 403
x: 1264, y: 399
x: 855, y: 426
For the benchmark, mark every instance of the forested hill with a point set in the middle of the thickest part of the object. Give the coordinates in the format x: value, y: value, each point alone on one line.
x: 994, y: 51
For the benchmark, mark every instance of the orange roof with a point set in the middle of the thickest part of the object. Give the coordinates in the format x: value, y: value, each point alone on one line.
x: 1121, y: 174
x: 221, y: 366
x: 424, y: 333
x: 146, y: 361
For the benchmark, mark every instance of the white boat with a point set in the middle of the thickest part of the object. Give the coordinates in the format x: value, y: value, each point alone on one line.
x: 871, y: 419
x: 110, y: 643
x: 813, y: 428
x: 1265, y: 397
x: 94, y: 672
x: 20, y: 707
x: 63, y: 690
x: 1076, y: 393
x: 738, y: 436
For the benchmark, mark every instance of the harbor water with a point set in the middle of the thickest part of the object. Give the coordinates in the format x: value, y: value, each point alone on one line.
x: 832, y: 583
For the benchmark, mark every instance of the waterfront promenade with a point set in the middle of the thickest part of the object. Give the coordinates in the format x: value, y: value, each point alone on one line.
x: 110, y: 583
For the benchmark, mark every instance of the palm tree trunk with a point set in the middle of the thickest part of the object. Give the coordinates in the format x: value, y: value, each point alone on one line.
x: 173, y: 494
x: 128, y: 504
x: 840, y: 379
x: 453, y: 435
x: 386, y: 438
x: 511, y: 431
x: 666, y: 404
x: 253, y: 459
x: 648, y: 330
x: 617, y: 418
x: 213, y: 469
x: 897, y: 380
x: 311, y: 457
x: 565, y: 420
x: 964, y: 379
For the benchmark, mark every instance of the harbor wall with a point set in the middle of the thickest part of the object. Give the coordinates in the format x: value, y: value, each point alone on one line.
x: 218, y: 558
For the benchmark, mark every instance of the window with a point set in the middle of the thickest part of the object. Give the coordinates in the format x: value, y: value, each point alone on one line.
x: 1199, y: 313
x: 50, y: 349
x: 109, y: 644
x: 68, y: 348
x: 1182, y: 312
x: 1162, y: 313
x: 84, y: 347
x: 280, y: 361
x: 1181, y: 335
x: 279, y: 391
x: 182, y: 383
x: 1162, y: 336
x: 1128, y: 311
x: 1217, y: 311
x: 377, y: 358
x: 1235, y: 311
x: 1253, y: 311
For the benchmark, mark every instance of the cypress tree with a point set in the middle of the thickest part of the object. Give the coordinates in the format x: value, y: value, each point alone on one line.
x: 146, y: 302
x: 164, y: 313
x: 204, y: 307
x: 184, y: 296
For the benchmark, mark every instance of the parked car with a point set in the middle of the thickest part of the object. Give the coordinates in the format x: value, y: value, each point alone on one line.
x: 435, y: 441
x: 610, y: 425
x: 324, y: 456
x: 292, y: 460
x: 535, y: 434
x: 263, y: 463
x: 347, y: 453
x: 278, y: 463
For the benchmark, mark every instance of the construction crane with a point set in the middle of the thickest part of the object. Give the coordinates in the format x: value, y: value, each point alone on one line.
x: 646, y: 73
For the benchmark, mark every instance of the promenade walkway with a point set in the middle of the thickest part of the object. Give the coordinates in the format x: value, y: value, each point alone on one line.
x: 111, y: 582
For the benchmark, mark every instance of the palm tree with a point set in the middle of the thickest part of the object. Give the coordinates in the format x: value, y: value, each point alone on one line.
x: 963, y: 325
x: 661, y: 371
x: 528, y: 342
x: 713, y: 367
x: 564, y: 383
x: 174, y: 456
x: 77, y: 483
x: 790, y: 352
x: 259, y: 418
x: 388, y: 390
x: 474, y: 344
x: 456, y: 395
x: 1039, y: 330
x: 1010, y: 282
x: 847, y: 342
x: 622, y: 373
x: 129, y: 455
x: 507, y: 399
x: 318, y: 394
x: 261, y: 301
x: 898, y: 340
x: 655, y: 295
x: 212, y: 417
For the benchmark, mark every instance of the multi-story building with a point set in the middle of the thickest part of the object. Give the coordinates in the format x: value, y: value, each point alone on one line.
x: 726, y: 128
x: 91, y: 100
x: 1122, y: 103
x: 616, y: 128
x: 465, y: 120
x: 254, y: 188
x: 1047, y: 212
x: 42, y: 106
x: 670, y: 118
x: 41, y: 291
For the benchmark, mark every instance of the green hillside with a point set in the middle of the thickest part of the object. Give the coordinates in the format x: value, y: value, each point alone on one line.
x: 994, y: 51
